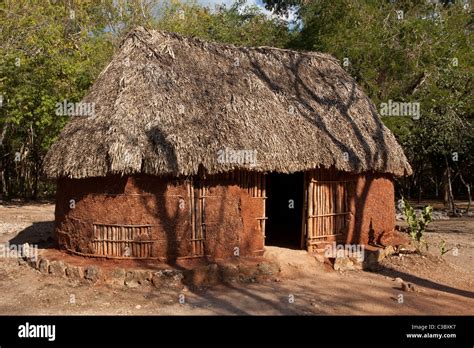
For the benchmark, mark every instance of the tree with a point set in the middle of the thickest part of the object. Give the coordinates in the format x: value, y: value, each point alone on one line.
x: 52, y: 51
x: 49, y: 52
x: 410, y: 52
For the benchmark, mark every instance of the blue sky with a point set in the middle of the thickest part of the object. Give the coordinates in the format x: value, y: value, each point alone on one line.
x: 211, y: 3
x: 228, y: 3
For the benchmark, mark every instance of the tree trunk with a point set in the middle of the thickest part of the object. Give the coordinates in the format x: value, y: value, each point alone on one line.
x: 4, y: 185
x: 468, y: 187
x: 449, y: 189
x: 2, y: 161
x: 445, y: 189
x: 420, y: 176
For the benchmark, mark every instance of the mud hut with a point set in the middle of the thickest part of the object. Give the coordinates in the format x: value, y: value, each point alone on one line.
x: 205, y: 150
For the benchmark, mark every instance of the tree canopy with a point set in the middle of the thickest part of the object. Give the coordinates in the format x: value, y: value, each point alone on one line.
x: 414, y: 53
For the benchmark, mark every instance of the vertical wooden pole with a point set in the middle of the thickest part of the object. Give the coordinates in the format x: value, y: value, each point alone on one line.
x: 193, y: 215
x: 203, y: 218
x: 107, y: 233
x: 311, y: 207
x: 330, y: 206
x: 102, y: 237
x: 317, y: 203
x: 122, y: 247
x: 264, y: 195
x: 95, y: 237
x: 259, y: 181
x: 114, y: 238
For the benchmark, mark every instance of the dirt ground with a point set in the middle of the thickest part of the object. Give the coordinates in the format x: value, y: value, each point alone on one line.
x: 443, y: 285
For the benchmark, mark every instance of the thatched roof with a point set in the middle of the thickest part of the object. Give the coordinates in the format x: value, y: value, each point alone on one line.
x: 166, y: 104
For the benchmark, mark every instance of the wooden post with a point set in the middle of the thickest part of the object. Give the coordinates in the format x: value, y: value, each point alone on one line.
x: 102, y: 237
x: 108, y: 238
x: 114, y: 238
x: 201, y: 225
x: 317, y: 203
x: 264, y: 201
x: 311, y: 207
x: 95, y: 237
x: 193, y: 214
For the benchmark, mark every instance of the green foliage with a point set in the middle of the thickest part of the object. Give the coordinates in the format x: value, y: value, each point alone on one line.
x: 442, y: 247
x: 244, y: 26
x: 52, y: 51
x: 417, y: 225
x: 406, y: 51
x: 47, y: 54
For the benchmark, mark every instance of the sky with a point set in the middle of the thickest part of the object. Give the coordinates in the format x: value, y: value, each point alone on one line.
x: 228, y: 3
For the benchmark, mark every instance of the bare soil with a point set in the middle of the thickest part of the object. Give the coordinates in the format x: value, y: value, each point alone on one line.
x: 443, y: 285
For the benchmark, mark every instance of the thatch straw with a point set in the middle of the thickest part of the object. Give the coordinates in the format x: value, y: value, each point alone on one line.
x: 166, y: 104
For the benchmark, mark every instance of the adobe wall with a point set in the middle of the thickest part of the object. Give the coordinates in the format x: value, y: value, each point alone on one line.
x: 165, y: 204
x: 372, y: 206
x: 231, y: 213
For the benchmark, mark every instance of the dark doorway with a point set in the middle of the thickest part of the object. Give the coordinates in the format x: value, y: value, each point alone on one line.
x: 284, y: 206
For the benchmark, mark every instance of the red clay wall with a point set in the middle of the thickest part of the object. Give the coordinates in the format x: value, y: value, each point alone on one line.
x: 137, y: 200
x: 372, y: 206
x: 231, y: 213
x: 231, y: 221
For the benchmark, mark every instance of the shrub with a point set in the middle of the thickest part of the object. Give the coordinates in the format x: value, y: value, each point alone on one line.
x: 417, y: 225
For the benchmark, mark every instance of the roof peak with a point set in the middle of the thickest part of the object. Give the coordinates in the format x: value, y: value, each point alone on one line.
x: 141, y: 31
x: 167, y: 104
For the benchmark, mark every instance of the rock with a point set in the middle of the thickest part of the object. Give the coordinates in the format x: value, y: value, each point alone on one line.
x: 343, y: 264
x: 57, y: 268
x: 43, y: 265
x: 74, y: 272
x: 131, y: 279
x: 247, y: 273
x: 138, y: 306
x: 22, y: 262
x: 407, y: 286
x: 371, y: 261
x: 143, y: 277
x: 33, y: 262
x: 389, y: 251
x: 406, y: 249
x: 116, y: 277
x: 268, y: 269
x: 358, y: 262
x: 92, y: 273
x: 171, y: 279
x: 380, y: 254
x: 398, y: 280
x: 229, y: 273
